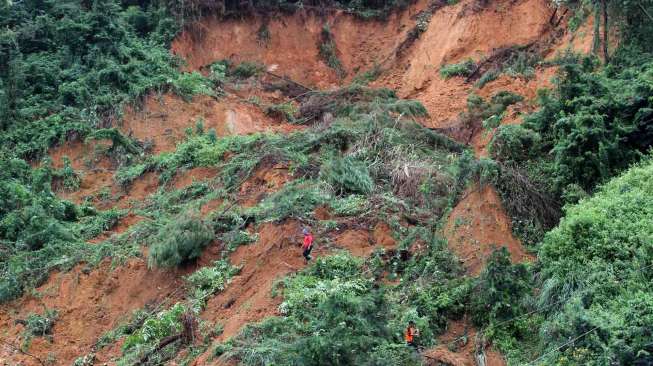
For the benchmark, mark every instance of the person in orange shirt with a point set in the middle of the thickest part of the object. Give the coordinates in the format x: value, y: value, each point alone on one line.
x: 308, y: 244
x: 410, y: 334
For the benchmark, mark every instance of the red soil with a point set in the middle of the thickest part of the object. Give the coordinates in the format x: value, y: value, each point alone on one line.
x: 163, y: 119
x: 292, y: 49
x: 456, y: 33
x: 185, y: 178
x: 263, y: 181
x: 88, y: 303
x: 477, y: 226
x: 454, y: 350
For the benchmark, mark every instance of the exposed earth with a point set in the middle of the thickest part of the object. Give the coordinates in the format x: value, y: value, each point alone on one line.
x: 93, y: 301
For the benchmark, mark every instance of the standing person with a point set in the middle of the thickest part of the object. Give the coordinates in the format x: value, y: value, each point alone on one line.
x: 308, y: 244
x: 411, y: 333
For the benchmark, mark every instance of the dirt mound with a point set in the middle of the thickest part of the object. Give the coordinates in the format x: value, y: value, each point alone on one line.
x: 477, y: 226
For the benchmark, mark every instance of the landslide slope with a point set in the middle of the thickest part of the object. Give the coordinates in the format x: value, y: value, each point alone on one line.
x: 404, y: 52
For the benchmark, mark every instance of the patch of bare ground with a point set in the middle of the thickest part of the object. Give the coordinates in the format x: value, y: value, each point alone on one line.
x: 477, y: 226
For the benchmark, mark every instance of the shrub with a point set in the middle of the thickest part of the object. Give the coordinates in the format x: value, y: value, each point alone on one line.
x: 514, y: 143
x: 328, y: 51
x: 490, y: 113
x: 297, y: 199
x: 488, y: 76
x: 207, y: 281
x: 347, y: 175
x: 500, y: 289
x: 464, y: 68
x: 179, y: 241
x: 595, y: 122
x: 40, y: 325
x: 247, y: 69
x: 189, y: 84
x: 70, y: 179
x: 351, y: 205
x: 147, y: 337
x: 126, y: 175
x: 218, y: 72
x: 283, y: 111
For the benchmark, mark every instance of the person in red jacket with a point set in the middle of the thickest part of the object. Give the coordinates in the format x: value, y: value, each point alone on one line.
x: 411, y: 333
x: 308, y: 244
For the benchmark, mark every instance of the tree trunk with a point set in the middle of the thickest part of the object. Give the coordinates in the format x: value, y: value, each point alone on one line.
x: 606, y: 57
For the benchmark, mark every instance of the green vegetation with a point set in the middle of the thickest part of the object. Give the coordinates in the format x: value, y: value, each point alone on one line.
x: 154, y: 329
x: 488, y: 113
x: 40, y: 325
x: 329, y: 51
x: 334, y: 313
x: 596, y: 274
x: 464, y: 68
x: 592, y: 291
x: 208, y: 281
x: 66, y: 70
x: 180, y: 241
x: 348, y: 176
x: 378, y: 10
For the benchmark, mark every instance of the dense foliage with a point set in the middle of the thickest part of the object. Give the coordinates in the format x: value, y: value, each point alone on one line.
x: 335, y: 312
x: 593, y: 273
x: 596, y: 271
x: 66, y: 68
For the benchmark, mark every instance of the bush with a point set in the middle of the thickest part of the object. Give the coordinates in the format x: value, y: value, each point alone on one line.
x: 595, y: 123
x: 488, y: 76
x: 297, y: 199
x: 490, y: 113
x: 154, y: 329
x: 500, y: 288
x: 347, y: 175
x: 352, y: 205
x: 207, y: 281
x: 464, y: 68
x: 247, y: 69
x: 40, y: 325
x: 328, y: 51
x: 514, y: 143
x: 283, y: 111
x: 189, y: 84
x: 180, y: 240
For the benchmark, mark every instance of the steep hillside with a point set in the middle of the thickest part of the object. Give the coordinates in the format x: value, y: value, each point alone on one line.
x: 154, y: 208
